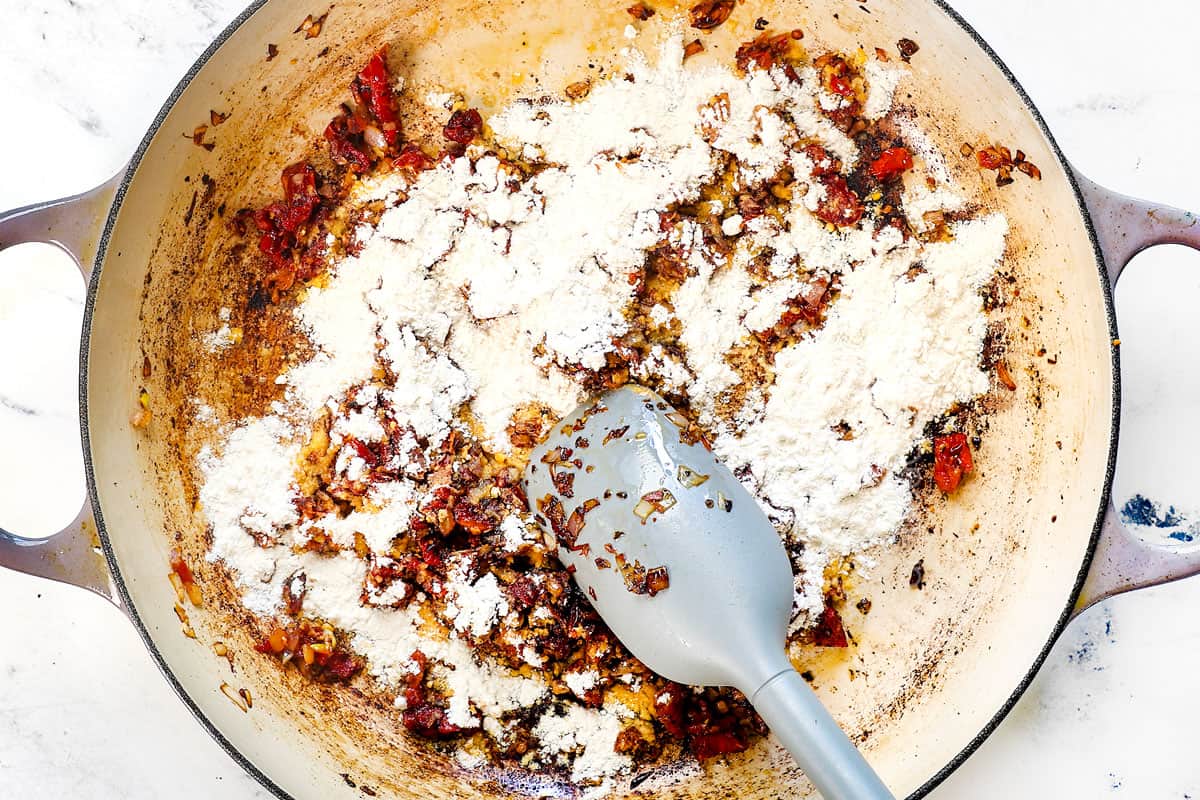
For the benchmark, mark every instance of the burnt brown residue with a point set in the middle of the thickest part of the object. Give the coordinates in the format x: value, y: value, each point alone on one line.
x: 916, y: 578
x: 311, y: 26
x: 709, y: 14
x: 908, y: 48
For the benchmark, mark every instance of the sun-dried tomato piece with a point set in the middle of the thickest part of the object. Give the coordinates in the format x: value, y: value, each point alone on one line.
x: 840, y: 205
x: 763, y: 51
x: 414, y: 158
x: 994, y: 157
x: 823, y: 163
x: 473, y: 519
x: 181, y: 568
x: 708, y: 745
x: 830, y: 632
x: 429, y: 721
x: 341, y: 665
x: 891, y: 163
x: 373, y: 86
x: 552, y: 509
x: 524, y: 591
x: 668, y: 708
x: 345, y: 143
x: 836, y: 74
x: 431, y: 552
x: 464, y: 126
x: 951, y: 460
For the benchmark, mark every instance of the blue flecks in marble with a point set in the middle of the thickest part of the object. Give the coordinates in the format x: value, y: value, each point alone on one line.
x: 1091, y: 636
x: 1144, y: 512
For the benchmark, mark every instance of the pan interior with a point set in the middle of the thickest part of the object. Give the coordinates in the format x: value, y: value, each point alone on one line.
x: 930, y: 668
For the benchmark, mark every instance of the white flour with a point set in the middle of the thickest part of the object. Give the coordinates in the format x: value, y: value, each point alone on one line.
x: 588, y: 733
x: 481, y: 291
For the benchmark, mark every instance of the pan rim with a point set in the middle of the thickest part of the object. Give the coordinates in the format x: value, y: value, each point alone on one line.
x: 243, y: 761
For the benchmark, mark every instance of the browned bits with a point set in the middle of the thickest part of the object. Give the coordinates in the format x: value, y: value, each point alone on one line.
x: 234, y: 697
x: 592, y: 593
x: 658, y: 500
x: 917, y: 579
x: 657, y: 580
x: 579, y: 90
x: 294, y: 590
x: 882, y: 54
x: 140, y: 419
x: 187, y: 581
x: 761, y: 24
x: 184, y: 622
x: 615, y: 433
x: 1000, y: 159
x: 710, y: 14
x: 1030, y: 169
x: 575, y: 524
x: 245, y: 695
x: 602, y: 563
x: 564, y: 482
x: 690, y: 477
x: 966, y: 149
x: 1005, y: 377
x: 640, y: 11
x: 908, y: 48
x: 146, y: 369
x: 311, y: 27
x: 863, y: 606
x: 763, y: 51
x: 557, y: 455
x: 197, y: 138
x: 692, y: 48
x: 215, y: 118
x: 272, y: 51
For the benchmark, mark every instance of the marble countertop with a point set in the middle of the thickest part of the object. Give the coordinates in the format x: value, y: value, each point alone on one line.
x: 83, y: 712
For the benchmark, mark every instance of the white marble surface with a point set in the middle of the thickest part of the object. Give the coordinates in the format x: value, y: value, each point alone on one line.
x: 83, y: 712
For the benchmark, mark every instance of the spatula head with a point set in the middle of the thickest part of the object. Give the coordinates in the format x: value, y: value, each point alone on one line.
x: 673, y: 552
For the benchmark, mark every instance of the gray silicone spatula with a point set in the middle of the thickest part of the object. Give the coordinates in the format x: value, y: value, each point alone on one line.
x: 697, y: 583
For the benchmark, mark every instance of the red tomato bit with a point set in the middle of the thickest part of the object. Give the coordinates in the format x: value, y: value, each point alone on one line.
x: 414, y: 158
x: 840, y: 205
x: 830, y: 632
x: 344, y: 134
x: 463, y: 126
x: 951, y: 460
x: 891, y: 163
x: 373, y: 89
x: 709, y: 745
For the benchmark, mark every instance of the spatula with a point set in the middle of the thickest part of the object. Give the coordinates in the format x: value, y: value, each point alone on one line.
x: 697, y: 583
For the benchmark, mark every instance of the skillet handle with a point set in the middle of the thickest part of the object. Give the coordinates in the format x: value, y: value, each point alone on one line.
x: 1124, y: 227
x: 72, y: 555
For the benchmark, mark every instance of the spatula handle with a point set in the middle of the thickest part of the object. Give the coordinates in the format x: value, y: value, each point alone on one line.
x: 805, y: 728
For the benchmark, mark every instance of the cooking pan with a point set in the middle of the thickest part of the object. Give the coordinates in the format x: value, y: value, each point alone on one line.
x: 1027, y: 544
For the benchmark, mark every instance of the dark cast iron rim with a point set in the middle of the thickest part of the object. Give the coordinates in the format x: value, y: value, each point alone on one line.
x: 259, y: 775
